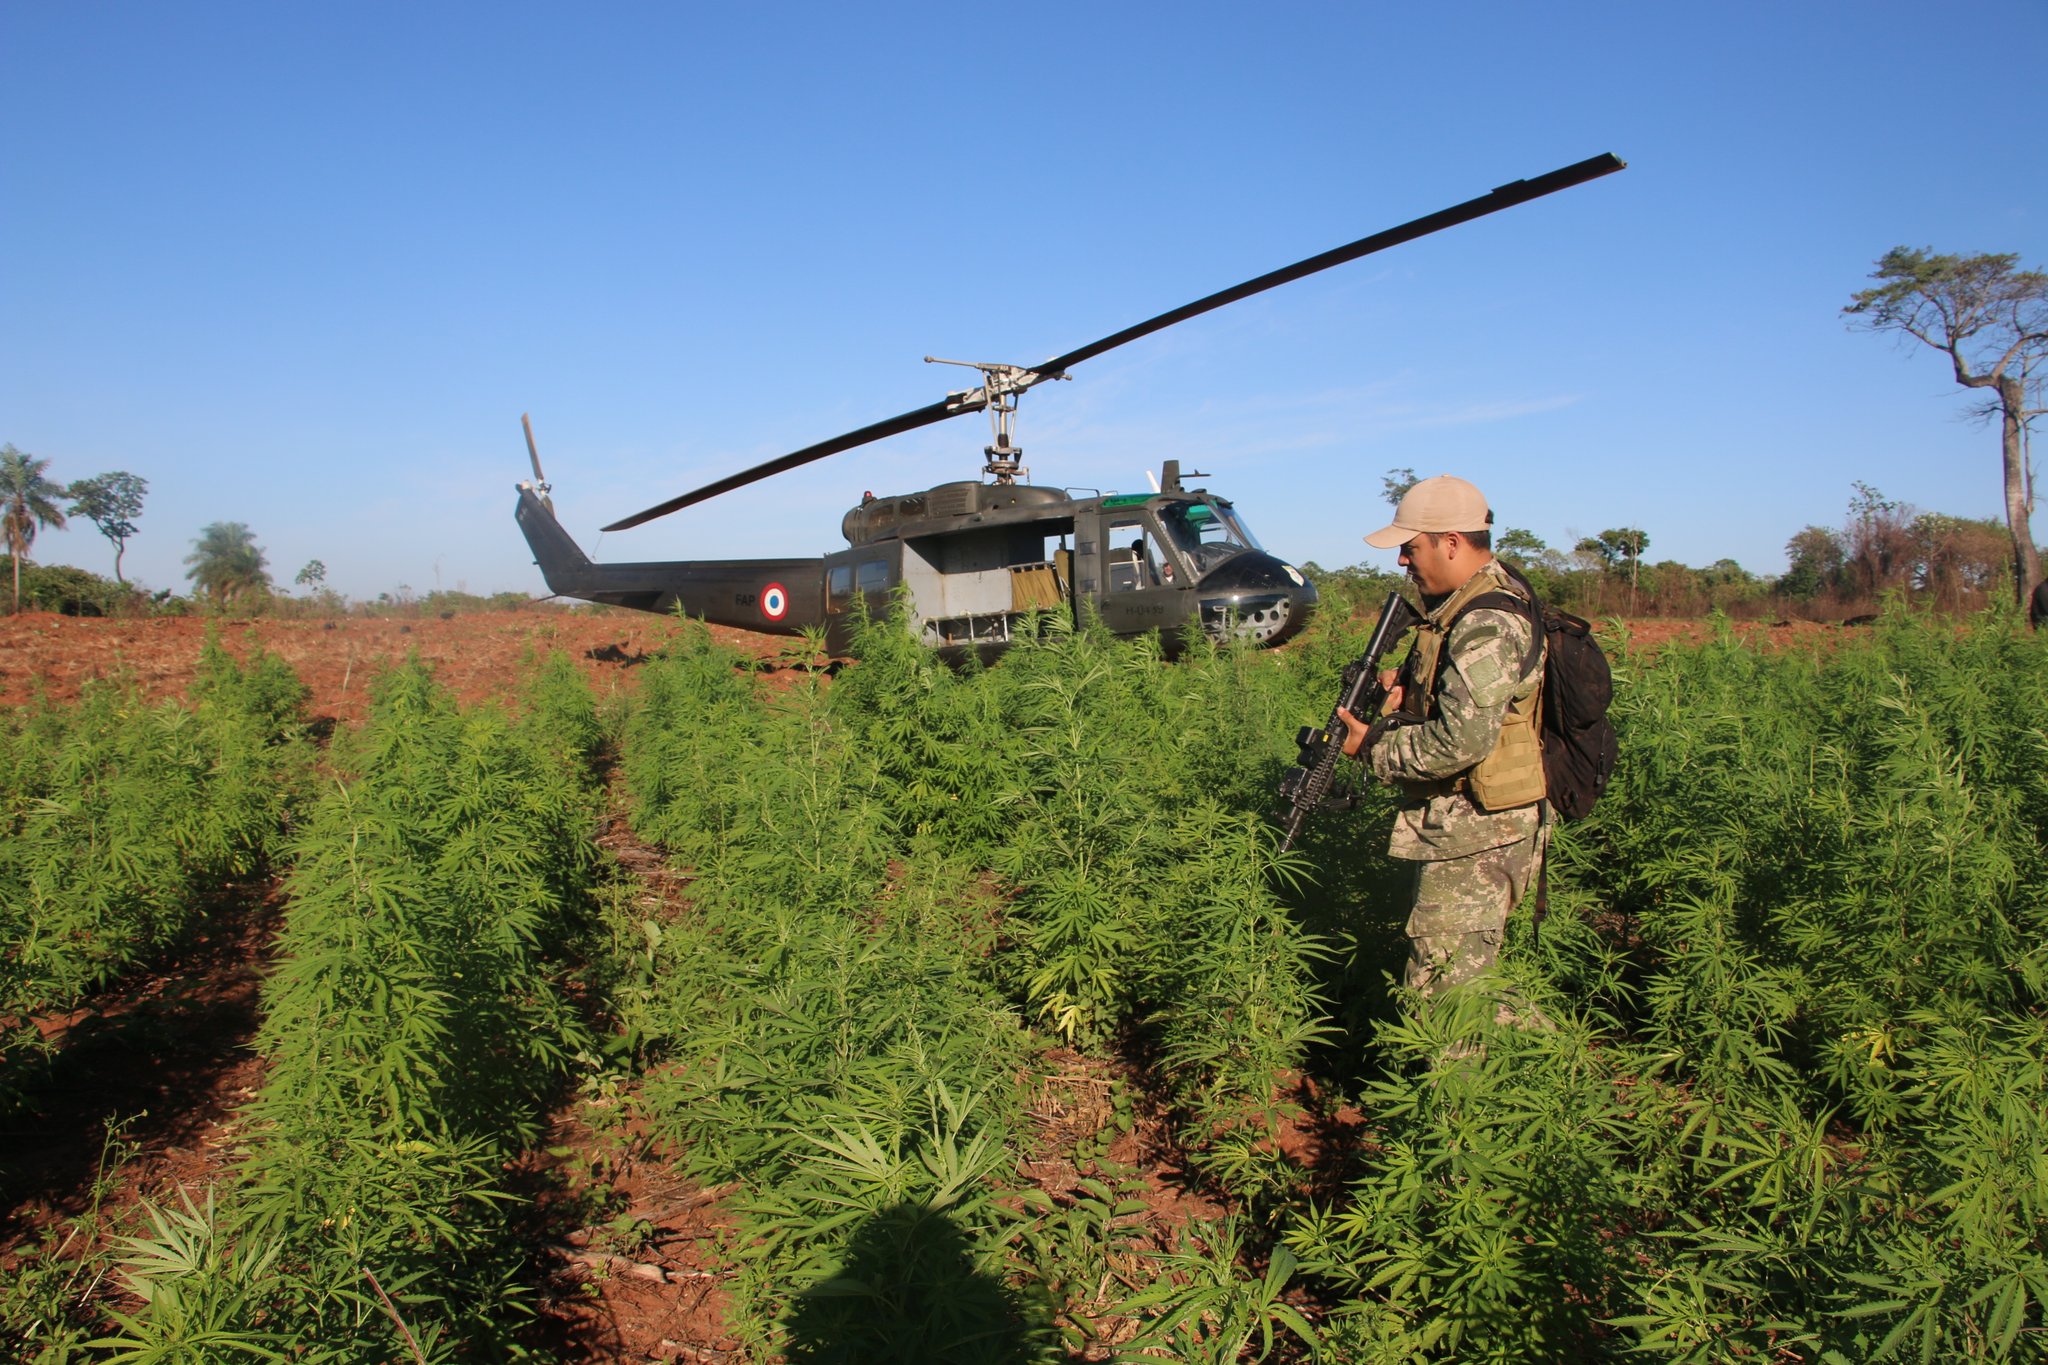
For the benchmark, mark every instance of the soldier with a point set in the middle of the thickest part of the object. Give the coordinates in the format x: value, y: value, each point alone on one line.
x: 1460, y: 737
x: 2037, y: 611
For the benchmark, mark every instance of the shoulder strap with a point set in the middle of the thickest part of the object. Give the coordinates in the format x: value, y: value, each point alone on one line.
x: 1501, y: 600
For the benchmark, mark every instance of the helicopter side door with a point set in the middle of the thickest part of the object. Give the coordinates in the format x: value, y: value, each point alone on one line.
x: 1132, y: 571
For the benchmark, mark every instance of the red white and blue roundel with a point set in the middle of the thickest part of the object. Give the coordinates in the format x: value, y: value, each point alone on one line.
x: 775, y: 601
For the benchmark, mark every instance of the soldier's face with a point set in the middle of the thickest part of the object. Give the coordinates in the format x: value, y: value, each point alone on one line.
x: 1431, y: 561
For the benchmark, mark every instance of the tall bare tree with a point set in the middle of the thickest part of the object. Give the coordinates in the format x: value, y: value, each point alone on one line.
x: 1990, y: 318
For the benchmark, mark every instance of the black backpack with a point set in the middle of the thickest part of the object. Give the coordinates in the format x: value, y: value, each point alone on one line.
x: 1579, y: 744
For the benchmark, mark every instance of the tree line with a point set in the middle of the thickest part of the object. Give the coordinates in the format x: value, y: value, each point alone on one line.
x: 226, y: 565
x: 1883, y: 546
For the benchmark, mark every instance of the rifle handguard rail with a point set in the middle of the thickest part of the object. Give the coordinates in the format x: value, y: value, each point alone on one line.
x: 1306, y: 788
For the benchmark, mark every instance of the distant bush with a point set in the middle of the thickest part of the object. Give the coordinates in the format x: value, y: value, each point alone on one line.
x: 1350, y: 591
x: 469, y: 601
x: 73, y: 591
x: 325, y: 602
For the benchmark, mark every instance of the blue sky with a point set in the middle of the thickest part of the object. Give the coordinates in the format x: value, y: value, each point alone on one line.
x: 304, y: 266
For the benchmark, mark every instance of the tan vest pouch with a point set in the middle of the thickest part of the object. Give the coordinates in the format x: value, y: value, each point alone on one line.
x: 1512, y: 775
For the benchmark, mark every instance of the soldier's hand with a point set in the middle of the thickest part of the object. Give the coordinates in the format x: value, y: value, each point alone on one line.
x: 1354, y: 732
x: 1393, y: 702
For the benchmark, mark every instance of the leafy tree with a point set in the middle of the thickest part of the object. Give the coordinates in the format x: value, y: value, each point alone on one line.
x: 112, y: 502
x: 28, y: 502
x: 1613, y: 548
x: 1518, y: 545
x: 312, y: 576
x: 1817, y: 555
x: 1990, y: 319
x: 226, y: 562
x: 1396, y: 485
x: 1881, y: 549
x: 1624, y: 545
x: 1958, y: 556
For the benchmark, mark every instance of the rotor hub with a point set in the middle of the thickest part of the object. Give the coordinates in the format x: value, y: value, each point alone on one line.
x: 1001, y: 386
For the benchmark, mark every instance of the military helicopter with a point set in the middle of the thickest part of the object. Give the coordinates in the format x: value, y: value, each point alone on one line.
x: 980, y: 558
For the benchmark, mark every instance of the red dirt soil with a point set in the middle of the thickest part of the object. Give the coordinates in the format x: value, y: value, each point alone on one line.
x: 476, y: 655
x: 1650, y: 635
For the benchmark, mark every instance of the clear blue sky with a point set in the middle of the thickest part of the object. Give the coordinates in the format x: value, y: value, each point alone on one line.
x: 304, y: 266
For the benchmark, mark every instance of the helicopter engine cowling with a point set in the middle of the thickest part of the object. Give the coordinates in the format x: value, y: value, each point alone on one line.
x: 1255, y: 596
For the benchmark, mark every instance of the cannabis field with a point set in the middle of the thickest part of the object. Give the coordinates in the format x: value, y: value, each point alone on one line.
x: 982, y: 1009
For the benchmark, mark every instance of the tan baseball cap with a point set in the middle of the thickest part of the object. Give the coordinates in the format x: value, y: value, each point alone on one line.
x: 1444, y: 503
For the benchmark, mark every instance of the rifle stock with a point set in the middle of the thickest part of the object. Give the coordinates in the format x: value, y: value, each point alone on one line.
x: 1307, y: 786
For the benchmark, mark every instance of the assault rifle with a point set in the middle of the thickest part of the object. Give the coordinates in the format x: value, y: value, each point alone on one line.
x: 1307, y: 788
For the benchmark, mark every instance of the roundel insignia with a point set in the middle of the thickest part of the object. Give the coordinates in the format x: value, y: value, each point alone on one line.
x: 774, y: 601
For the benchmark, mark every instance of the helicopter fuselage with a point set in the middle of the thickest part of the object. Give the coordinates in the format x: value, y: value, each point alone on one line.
x: 976, y: 562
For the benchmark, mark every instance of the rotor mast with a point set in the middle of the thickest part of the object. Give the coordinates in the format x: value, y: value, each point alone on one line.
x: 1001, y: 385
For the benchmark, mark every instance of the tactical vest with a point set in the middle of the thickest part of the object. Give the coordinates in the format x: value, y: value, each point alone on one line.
x: 1512, y: 775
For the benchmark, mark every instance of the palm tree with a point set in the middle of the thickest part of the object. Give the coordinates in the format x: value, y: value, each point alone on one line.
x: 226, y: 562
x: 27, y: 503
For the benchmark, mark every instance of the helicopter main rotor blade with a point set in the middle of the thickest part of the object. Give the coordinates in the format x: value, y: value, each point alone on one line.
x: 1506, y: 196
x: 909, y: 421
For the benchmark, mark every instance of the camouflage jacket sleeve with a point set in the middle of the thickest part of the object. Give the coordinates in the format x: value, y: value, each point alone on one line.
x: 1480, y: 673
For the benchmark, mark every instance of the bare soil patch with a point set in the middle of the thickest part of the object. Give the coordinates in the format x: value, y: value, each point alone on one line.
x: 628, y: 1252
x: 138, y: 1097
x: 1649, y: 635
x: 475, y: 654
x: 162, y: 1058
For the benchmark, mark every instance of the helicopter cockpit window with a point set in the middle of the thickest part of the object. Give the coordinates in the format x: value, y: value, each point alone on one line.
x: 1207, y: 534
x: 872, y: 575
x: 839, y: 583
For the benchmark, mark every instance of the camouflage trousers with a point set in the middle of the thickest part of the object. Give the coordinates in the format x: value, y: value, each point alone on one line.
x: 1461, y: 911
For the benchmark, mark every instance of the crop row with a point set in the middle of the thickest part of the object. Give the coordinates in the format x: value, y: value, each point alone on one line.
x: 414, y: 1034
x: 908, y: 887
x: 120, y: 821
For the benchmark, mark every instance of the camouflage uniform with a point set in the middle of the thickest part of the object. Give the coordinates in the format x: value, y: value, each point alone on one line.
x: 1472, y: 865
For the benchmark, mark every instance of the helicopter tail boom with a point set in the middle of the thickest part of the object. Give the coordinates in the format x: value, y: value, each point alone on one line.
x: 772, y: 596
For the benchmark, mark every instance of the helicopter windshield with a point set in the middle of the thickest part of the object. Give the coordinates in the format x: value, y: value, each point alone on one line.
x: 1206, y: 533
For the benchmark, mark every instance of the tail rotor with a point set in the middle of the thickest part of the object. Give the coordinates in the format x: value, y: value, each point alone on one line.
x: 540, y: 480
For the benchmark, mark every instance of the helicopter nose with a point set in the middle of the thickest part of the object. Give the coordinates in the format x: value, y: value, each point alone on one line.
x: 1256, y: 597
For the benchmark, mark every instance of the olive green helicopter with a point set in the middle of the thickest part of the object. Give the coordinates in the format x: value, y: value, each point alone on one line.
x: 978, y: 559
